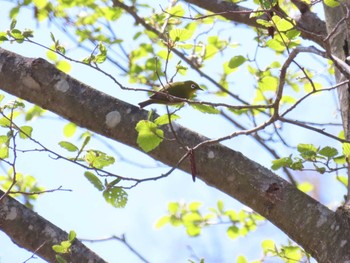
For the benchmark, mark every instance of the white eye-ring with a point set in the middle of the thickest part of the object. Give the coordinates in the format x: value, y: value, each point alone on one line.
x: 193, y: 86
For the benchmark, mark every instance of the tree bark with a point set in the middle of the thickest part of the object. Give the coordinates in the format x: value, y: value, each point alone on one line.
x: 310, y: 25
x: 320, y: 231
x: 29, y: 230
x: 339, y: 45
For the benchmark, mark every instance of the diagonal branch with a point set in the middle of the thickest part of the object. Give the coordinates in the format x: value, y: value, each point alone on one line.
x: 31, y: 231
x: 310, y: 25
x: 302, y: 218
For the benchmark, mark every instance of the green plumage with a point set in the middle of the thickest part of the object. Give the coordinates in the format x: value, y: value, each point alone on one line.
x: 182, y: 89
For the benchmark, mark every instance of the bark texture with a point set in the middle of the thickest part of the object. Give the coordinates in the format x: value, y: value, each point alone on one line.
x: 310, y: 25
x: 29, y: 230
x: 338, y: 44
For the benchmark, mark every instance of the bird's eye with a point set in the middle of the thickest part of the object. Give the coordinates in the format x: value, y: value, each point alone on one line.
x: 193, y: 86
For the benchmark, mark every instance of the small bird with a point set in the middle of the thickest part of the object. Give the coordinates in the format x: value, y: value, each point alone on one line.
x: 181, y: 89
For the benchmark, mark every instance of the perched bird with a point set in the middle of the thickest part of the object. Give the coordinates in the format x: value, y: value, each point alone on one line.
x: 181, y: 89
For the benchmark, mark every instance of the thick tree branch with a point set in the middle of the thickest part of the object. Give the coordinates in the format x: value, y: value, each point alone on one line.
x: 310, y: 25
x: 29, y: 230
x: 338, y: 43
x: 302, y: 218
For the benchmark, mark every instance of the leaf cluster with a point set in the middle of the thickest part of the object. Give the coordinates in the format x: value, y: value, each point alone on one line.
x: 323, y: 160
x: 64, y: 247
x: 189, y: 216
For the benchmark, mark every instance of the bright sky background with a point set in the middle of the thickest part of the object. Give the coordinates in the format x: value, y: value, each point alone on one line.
x: 85, y: 211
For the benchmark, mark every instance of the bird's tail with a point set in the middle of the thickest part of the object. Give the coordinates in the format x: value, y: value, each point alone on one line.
x: 145, y: 103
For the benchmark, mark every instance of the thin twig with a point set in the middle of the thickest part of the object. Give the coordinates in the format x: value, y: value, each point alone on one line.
x: 121, y: 239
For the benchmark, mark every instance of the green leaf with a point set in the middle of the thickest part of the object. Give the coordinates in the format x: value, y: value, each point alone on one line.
x: 3, y: 37
x: 321, y: 170
x: 17, y: 34
x: 5, y: 122
x: 288, y: 99
x: 282, y: 24
x: 282, y: 162
x: 59, y: 249
x: 14, y: 12
x: 194, y: 206
x: 175, y: 221
x: 268, y: 83
x: 263, y: 22
x: 33, y: 112
x: 305, y: 187
x: 173, y: 207
x: 52, y: 37
x: 71, y: 236
x: 164, y: 119
x: 268, y: 246
x: 98, y: 159
x: 176, y: 10
x: 293, y: 253
x: 328, y: 152
x: 102, y: 56
x: 233, y: 232
x: 232, y: 215
x: 162, y: 221
x: 292, y: 34
x: 64, y: 66
x: 227, y: 69
x: 149, y: 136
x: 241, y: 259
x: 346, y: 149
x: 343, y: 180
x: 309, y: 88
x: 113, y: 183
x: 297, y: 165
x: 307, y: 151
x: 4, y: 147
x: 60, y: 259
x: 276, y: 45
x: 339, y: 159
x: 191, y: 218
x: 193, y: 230
x: 332, y: 3
x: 40, y: 3
x: 180, y: 34
x: 236, y: 61
x: 68, y: 146
x: 66, y: 245
x: 13, y: 24
x: 25, y: 132
x: 267, y: 4
x: 27, y: 33
x: 275, y: 64
x: 86, y: 140
x: 205, y: 108
x: 94, y: 180
x: 116, y: 197
x: 220, y: 205
x: 69, y: 129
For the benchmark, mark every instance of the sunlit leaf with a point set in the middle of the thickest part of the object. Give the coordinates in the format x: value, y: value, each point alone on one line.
x: 68, y: 146
x: 180, y: 34
x: 149, y: 136
x: 69, y: 129
x: 116, y: 197
x: 94, y: 180
x: 25, y: 132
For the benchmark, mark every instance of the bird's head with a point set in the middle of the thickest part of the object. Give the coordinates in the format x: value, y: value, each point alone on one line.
x: 192, y: 85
